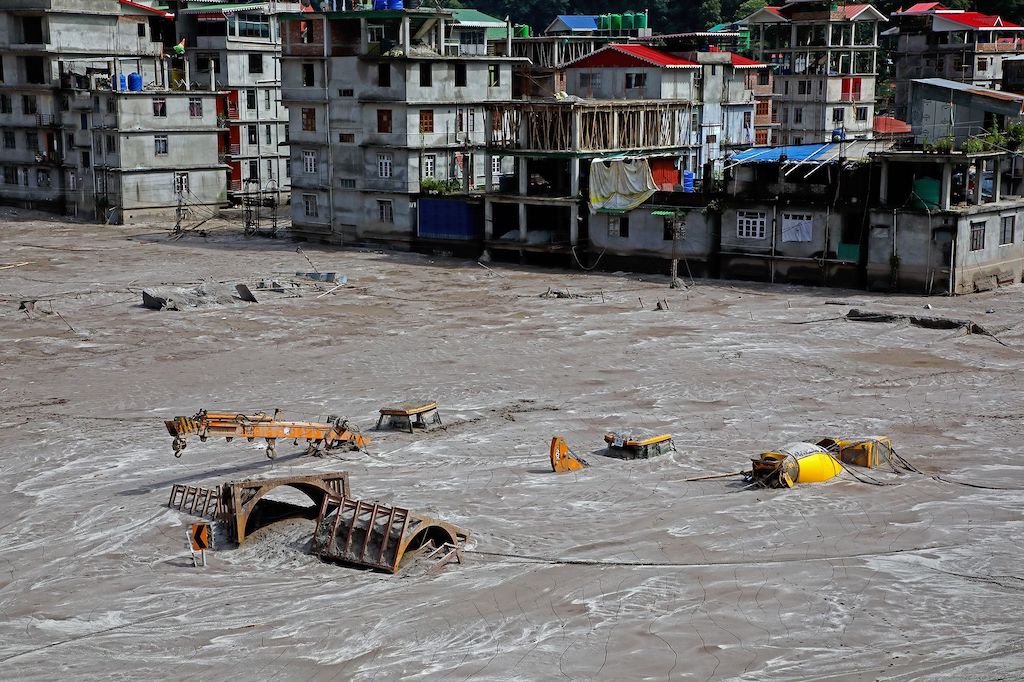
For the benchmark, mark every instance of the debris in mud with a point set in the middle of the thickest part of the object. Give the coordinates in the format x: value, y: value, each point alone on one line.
x: 558, y: 293
x: 379, y: 536
x: 563, y: 458
x: 416, y: 414
x: 329, y: 277
x: 627, y: 446
x: 180, y: 298
x: 927, y: 322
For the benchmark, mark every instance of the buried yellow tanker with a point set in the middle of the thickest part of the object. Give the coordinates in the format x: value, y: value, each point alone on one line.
x: 816, y: 462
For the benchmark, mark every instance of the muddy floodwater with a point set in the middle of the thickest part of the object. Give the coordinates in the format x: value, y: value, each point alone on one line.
x: 622, y: 571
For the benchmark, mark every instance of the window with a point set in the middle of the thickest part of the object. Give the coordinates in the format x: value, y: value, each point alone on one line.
x: 460, y: 75
x: 254, y: 169
x: 785, y: 114
x: 270, y: 169
x: 375, y: 33
x: 42, y: 178
x: 203, y: 60
x: 308, y: 119
x: 429, y: 164
x: 747, y: 119
x: 253, y: 26
x: 426, y: 76
x: 385, y: 211
x: 711, y: 139
x: 761, y: 136
x: 347, y: 183
x: 383, y: 120
x: 636, y: 80
x: 310, y: 205
x: 618, y: 226
x: 195, y: 107
x: 426, y: 120
x: 256, y: 63
x: 9, y: 140
x: 798, y: 115
x: 496, y: 165
x: 751, y: 224
x: 111, y: 144
x: 35, y: 70
x: 32, y: 29
x: 798, y: 140
x: 861, y: 113
x: 803, y: 87
x: 308, y: 75
x: 978, y: 236
x: 797, y: 227
x: 84, y: 121
x: 1008, y: 224
x: 838, y: 114
x: 250, y: 99
x: 28, y: 104
x: 141, y: 29
x: 85, y: 159
x: 460, y: 123
x: 763, y: 107
x: 384, y: 75
x: 851, y: 89
x: 160, y: 107
x: 982, y: 63
x: 384, y: 162
x: 112, y: 105
x: 181, y: 183
x: 590, y: 81
x: 763, y: 77
x: 493, y: 75
x: 5, y: 104
x: 347, y: 138
x: 346, y: 92
x: 287, y: 132
x: 252, y: 134
x: 309, y: 161
x: 160, y: 145
x: 268, y: 134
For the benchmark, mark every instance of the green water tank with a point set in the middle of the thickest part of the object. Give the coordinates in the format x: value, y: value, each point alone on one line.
x: 604, y: 22
x: 640, y: 20
x: 521, y: 31
x: 616, y: 22
x: 627, y: 21
x: 926, y: 194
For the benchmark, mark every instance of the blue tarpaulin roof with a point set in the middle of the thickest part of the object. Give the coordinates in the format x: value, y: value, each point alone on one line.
x: 798, y: 152
x: 578, y: 22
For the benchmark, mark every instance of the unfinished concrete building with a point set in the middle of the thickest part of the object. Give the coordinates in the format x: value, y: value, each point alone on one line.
x: 933, y: 41
x: 387, y: 106
x: 943, y: 225
x: 826, y: 61
x: 41, y: 40
x: 236, y: 48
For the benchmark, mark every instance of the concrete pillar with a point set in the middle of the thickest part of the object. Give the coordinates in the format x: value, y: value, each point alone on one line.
x: 522, y: 223
x: 488, y: 220
x: 508, y: 37
x: 524, y: 178
x: 188, y: 77
x: 883, y: 183
x: 364, y: 43
x: 406, y: 36
x: 997, y: 180
x: 947, y: 185
x: 574, y: 177
x: 488, y: 172
x: 211, y: 63
x: 574, y: 224
x: 978, y: 176
x: 441, y: 46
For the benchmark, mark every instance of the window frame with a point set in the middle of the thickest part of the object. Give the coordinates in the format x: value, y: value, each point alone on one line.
x: 428, y: 166
x: 157, y: 140
x: 385, y: 165
x: 1005, y: 240
x: 751, y: 224
x: 309, y: 162
x: 977, y: 235
x: 386, y: 211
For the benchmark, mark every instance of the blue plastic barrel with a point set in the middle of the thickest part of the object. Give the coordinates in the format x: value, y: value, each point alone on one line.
x: 122, y: 82
x: 396, y: 4
x: 380, y: 4
x: 135, y: 82
x: 687, y: 181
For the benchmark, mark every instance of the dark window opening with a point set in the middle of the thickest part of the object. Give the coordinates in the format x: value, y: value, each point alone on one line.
x: 426, y: 76
x: 308, y: 75
x: 256, y: 63
x: 460, y: 75
x: 35, y: 70
x: 32, y: 29
x: 384, y: 75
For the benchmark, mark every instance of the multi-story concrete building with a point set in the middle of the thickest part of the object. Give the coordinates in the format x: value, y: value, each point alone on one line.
x: 236, y: 48
x: 385, y: 107
x: 933, y: 41
x: 826, y: 61
x: 39, y: 111
x: 137, y: 154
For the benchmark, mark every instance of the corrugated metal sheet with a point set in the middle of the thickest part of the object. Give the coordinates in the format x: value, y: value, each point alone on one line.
x: 449, y: 219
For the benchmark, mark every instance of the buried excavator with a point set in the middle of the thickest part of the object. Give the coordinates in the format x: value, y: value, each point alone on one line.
x: 334, y: 434
x: 563, y: 458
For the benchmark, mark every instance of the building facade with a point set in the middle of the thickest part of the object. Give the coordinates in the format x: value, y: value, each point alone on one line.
x: 826, y: 59
x: 385, y: 108
x: 933, y: 41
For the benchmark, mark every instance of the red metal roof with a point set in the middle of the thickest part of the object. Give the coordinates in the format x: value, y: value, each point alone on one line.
x: 887, y: 125
x: 739, y: 60
x: 147, y: 8
x: 922, y: 7
x: 631, y: 55
x: 976, y: 20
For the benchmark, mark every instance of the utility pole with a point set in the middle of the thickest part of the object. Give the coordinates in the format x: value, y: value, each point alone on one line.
x: 678, y: 234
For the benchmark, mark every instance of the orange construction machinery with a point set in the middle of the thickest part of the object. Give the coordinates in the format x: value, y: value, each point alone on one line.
x: 563, y: 458
x: 319, y: 436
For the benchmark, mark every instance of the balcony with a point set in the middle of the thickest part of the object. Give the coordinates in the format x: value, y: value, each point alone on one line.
x: 45, y: 120
x: 235, y: 150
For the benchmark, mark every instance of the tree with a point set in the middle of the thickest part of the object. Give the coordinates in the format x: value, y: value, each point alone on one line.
x: 748, y: 7
x: 710, y: 13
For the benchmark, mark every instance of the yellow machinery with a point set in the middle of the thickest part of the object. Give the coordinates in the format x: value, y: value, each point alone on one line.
x: 868, y: 452
x: 564, y: 459
x: 336, y: 433
x: 625, y: 446
x: 792, y: 464
x: 420, y: 414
